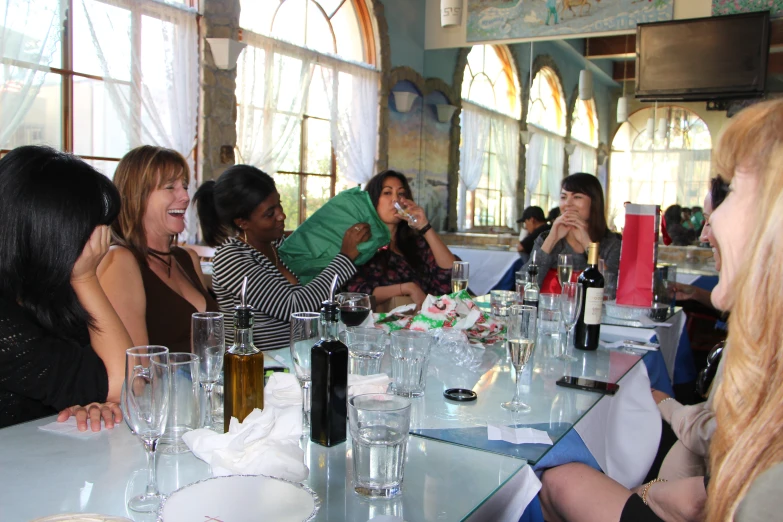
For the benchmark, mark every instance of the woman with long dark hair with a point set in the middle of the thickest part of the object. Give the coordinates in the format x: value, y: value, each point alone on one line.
x: 61, y: 342
x: 417, y: 262
x: 241, y: 215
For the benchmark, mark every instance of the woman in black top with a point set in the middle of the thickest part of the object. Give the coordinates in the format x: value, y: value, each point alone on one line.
x: 61, y: 342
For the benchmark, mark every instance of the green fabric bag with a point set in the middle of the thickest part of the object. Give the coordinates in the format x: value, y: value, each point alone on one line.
x: 314, y: 244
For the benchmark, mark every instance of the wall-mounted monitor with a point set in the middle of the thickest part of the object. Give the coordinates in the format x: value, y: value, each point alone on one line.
x: 720, y: 57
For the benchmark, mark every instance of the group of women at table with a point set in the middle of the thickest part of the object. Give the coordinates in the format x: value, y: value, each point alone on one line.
x: 89, y: 268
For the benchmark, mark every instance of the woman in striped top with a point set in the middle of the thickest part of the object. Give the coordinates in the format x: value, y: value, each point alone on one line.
x: 241, y: 213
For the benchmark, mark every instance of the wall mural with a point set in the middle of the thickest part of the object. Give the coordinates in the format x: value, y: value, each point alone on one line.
x: 508, y: 19
x: 729, y: 7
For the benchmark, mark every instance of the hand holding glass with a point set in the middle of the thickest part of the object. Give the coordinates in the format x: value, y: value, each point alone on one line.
x: 304, y: 334
x: 570, y: 303
x: 208, y: 341
x: 521, y: 340
x: 460, y: 273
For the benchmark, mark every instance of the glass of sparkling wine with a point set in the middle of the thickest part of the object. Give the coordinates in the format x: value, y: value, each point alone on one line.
x: 208, y: 342
x: 460, y: 273
x: 521, y: 339
x: 379, y: 425
x: 304, y: 334
x: 570, y: 303
x: 565, y: 268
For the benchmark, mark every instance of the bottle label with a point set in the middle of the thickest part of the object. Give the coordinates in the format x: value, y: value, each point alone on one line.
x: 594, y: 301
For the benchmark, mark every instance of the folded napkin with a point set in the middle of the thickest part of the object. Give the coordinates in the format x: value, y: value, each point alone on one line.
x: 69, y: 428
x: 265, y: 443
x: 518, y: 435
x: 359, y: 384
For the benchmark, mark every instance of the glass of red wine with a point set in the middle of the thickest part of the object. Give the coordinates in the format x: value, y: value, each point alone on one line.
x: 354, y: 307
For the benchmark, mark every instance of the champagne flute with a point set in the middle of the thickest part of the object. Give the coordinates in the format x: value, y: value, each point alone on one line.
x: 460, y: 272
x: 146, y: 404
x: 521, y: 340
x: 565, y: 268
x: 304, y: 334
x: 570, y: 304
x: 354, y: 307
x: 208, y: 341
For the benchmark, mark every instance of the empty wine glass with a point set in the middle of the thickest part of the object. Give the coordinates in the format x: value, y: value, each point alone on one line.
x: 354, y: 307
x: 304, y: 334
x: 565, y: 268
x: 570, y: 303
x: 521, y: 340
x: 208, y: 341
x: 146, y: 405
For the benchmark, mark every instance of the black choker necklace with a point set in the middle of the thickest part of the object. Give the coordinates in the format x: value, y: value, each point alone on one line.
x: 157, y: 254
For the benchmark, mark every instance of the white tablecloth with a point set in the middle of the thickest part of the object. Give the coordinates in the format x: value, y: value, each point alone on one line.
x: 487, y: 267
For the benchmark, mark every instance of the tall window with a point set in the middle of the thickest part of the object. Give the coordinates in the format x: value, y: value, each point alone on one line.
x: 670, y: 166
x: 307, y: 91
x: 584, y: 138
x: 490, y: 142
x: 545, y: 153
x: 124, y: 73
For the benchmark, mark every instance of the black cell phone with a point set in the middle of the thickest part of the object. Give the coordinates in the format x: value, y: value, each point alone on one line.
x: 582, y: 383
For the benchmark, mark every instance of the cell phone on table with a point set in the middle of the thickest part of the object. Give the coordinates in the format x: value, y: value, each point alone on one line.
x: 581, y: 383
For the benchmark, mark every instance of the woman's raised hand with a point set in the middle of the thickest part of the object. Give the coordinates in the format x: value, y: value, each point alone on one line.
x: 560, y: 228
x: 416, y: 211
x: 358, y: 233
x: 96, y: 247
x: 577, y: 229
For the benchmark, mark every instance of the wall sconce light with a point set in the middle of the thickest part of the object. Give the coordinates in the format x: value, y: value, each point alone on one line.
x: 662, y: 127
x: 225, y: 52
x: 570, y: 148
x: 650, y: 131
x: 525, y: 136
x: 403, y: 100
x: 450, y: 12
x: 444, y: 112
x: 585, y: 84
x: 622, y: 110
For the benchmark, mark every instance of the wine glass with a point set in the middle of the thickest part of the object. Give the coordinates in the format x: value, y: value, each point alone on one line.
x: 520, y: 339
x: 146, y: 405
x: 354, y: 307
x: 570, y: 303
x: 208, y: 341
x: 304, y: 334
x: 565, y: 268
x: 460, y: 272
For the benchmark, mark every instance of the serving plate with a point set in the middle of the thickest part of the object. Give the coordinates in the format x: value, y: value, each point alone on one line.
x: 241, y: 498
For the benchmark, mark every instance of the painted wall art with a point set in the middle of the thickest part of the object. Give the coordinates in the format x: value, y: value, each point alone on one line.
x: 510, y: 19
x: 730, y: 7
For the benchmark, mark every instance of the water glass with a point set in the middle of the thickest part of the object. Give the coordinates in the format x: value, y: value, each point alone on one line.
x: 146, y: 405
x: 208, y: 341
x: 184, y: 404
x: 460, y: 274
x: 521, y: 278
x: 366, y: 347
x: 570, y: 303
x: 379, y: 425
x: 520, y: 340
x: 304, y: 334
x: 500, y: 300
x: 410, y: 352
x: 549, y: 314
x: 354, y: 307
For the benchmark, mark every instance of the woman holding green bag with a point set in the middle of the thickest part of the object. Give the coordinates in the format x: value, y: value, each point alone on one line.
x: 241, y: 215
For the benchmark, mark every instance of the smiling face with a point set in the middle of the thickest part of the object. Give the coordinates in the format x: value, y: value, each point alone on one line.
x: 730, y: 225
x: 166, y: 206
x: 575, y: 202
x: 267, y: 221
x: 392, y: 191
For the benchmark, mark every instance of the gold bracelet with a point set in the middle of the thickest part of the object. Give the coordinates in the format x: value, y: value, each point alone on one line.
x: 647, y: 488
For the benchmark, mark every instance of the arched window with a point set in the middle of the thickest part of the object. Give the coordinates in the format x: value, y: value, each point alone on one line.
x: 307, y: 90
x: 670, y: 166
x: 545, y: 153
x: 584, y: 138
x: 490, y: 139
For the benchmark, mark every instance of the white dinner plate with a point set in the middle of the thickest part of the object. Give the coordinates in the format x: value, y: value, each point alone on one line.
x: 241, y: 498
x: 81, y: 517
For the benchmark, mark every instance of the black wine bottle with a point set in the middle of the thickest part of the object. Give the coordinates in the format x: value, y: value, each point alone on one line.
x: 588, y: 326
x: 329, y: 392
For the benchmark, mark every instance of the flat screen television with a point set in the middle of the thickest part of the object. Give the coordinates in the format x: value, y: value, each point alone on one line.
x: 721, y: 57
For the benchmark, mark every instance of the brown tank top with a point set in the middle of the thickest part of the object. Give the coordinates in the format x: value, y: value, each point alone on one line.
x: 168, y: 313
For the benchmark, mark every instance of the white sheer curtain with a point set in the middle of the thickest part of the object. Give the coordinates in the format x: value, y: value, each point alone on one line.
x: 665, y: 177
x: 506, y: 136
x: 534, y: 164
x: 584, y: 159
x: 475, y: 124
x: 29, y: 38
x: 545, y: 157
x: 555, y: 159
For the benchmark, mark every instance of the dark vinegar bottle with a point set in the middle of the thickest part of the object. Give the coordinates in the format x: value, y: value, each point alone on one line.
x: 329, y: 391
x: 588, y: 326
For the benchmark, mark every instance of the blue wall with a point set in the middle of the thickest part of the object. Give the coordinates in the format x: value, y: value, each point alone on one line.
x: 405, y: 19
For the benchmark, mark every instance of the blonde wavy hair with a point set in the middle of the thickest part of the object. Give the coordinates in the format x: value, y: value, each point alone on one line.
x: 139, y: 172
x: 749, y: 400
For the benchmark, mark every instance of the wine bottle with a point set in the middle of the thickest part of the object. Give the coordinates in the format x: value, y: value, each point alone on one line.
x: 588, y: 326
x: 530, y: 295
x: 329, y: 389
x: 244, y: 368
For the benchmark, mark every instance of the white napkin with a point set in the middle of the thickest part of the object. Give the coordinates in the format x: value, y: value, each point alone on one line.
x: 359, y: 384
x: 266, y: 443
x: 403, y: 308
x: 517, y: 435
x: 69, y: 428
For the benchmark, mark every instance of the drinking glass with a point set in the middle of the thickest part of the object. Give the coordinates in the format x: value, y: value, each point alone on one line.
x: 379, y: 425
x: 304, y: 334
x: 521, y: 278
x: 184, y: 404
x: 354, y: 307
x: 208, y: 341
x: 565, y: 268
x: 146, y: 407
x: 410, y: 352
x: 460, y: 272
x: 366, y: 347
x: 520, y: 339
x: 570, y: 303
x: 549, y: 314
x: 500, y: 300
